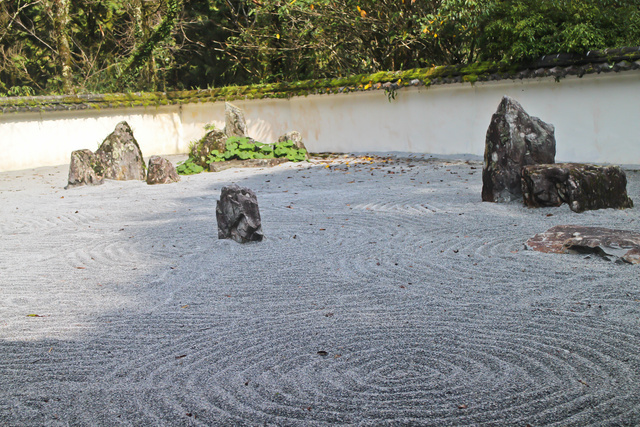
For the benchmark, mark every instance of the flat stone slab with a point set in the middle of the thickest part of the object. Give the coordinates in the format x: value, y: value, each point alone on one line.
x: 614, y: 245
x: 251, y: 163
x: 582, y: 186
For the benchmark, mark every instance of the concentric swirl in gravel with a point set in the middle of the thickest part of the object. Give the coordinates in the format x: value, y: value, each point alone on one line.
x: 389, y: 367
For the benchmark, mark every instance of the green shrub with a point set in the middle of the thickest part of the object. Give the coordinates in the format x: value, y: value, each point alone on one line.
x: 188, y: 167
x: 242, y: 148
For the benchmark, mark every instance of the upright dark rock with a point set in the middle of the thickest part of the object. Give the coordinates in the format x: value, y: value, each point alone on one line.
x: 235, y: 124
x: 120, y: 155
x: 583, y: 187
x: 85, y: 169
x: 161, y: 171
x: 238, y: 215
x: 213, y: 140
x: 514, y: 139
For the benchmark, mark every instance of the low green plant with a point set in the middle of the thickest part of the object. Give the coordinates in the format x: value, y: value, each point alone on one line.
x: 243, y: 148
x: 215, y: 156
x: 288, y: 149
x: 188, y: 167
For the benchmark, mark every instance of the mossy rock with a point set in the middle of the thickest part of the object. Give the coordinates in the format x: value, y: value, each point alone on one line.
x: 213, y: 140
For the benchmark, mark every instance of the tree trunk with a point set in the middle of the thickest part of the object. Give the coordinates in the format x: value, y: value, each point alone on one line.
x: 60, y: 10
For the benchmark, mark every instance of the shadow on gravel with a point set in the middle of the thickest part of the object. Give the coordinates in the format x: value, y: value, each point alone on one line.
x: 383, y: 294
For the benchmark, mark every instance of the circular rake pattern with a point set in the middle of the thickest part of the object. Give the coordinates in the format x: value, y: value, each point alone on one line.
x: 395, y: 368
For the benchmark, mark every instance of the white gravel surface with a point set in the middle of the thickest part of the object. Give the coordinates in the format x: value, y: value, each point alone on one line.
x: 385, y: 293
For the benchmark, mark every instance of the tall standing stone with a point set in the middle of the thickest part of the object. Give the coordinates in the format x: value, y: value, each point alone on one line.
x: 121, y: 156
x: 514, y: 139
x: 234, y: 122
x: 238, y: 215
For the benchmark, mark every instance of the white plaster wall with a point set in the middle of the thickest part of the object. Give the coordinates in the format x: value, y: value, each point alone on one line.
x: 597, y: 119
x: 45, y: 139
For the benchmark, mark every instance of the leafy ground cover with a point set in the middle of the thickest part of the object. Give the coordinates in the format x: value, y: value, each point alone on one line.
x: 243, y: 148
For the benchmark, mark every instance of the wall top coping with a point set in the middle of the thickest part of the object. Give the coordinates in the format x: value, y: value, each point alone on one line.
x: 557, y: 66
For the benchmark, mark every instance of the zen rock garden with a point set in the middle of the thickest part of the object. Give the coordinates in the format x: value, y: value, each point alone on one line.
x: 519, y: 164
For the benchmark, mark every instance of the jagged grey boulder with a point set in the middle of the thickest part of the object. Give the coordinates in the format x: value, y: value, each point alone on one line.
x: 583, y: 187
x: 85, y: 169
x: 238, y: 215
x: 614, y: 245
x: 514, y: 139
x: 235, y: 124
x: 161, y: 171
x: 213, y: 140
x: 120, y: 155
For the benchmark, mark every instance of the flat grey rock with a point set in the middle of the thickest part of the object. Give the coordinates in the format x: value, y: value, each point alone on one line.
x: 611, y: 244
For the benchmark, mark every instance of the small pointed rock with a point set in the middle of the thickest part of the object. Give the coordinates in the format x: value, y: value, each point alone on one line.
x: 161, y: 171
x: 85, y: 169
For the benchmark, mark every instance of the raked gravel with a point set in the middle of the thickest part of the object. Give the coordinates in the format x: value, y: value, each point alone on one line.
x: 385, y: 293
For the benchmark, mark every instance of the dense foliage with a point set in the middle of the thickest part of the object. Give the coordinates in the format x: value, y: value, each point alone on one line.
x: 64, y: 46
x: 242, y: 148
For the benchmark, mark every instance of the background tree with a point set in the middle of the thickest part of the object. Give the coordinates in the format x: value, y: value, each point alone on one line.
x: 64, y: 46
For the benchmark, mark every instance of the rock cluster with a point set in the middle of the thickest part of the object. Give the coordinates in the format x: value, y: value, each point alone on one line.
x: 238, y: 215
x: 235, y: 126
x: 119, y: 157
x: 519, y: 164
